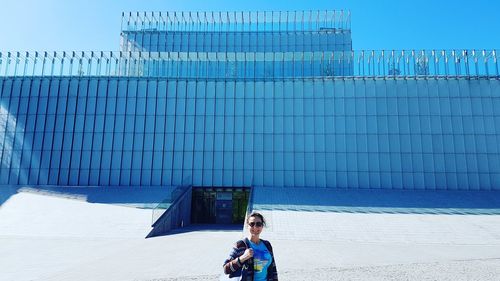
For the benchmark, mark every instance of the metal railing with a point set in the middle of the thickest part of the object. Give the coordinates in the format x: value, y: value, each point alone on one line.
x: 236, y: 21
x: 251, y: 65
x: 163, y: 206
x: 177, y: 215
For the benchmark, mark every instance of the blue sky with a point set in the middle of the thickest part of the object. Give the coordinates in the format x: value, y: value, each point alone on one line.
x: 81, y: 25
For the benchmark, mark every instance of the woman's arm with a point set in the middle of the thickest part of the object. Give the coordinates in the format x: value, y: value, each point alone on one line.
x: 237, y: 257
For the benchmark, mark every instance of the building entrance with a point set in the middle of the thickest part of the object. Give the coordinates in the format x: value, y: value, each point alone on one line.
x: 219, y: 205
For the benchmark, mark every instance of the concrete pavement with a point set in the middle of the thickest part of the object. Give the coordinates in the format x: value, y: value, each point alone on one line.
x: 106, y: 242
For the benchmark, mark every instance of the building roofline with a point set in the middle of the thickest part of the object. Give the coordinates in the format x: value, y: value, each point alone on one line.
x: 237, y: 20
x: 390, y: 63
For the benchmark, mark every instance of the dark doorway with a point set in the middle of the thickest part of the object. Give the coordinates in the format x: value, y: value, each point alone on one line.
x: 203, y: 206
x: 240, y: 203
x: 219, y: 205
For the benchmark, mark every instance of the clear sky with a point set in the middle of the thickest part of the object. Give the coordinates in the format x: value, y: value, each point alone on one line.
x: 82, y: 25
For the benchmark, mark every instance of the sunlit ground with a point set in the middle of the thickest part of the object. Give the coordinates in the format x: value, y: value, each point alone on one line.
x: 46, y: 236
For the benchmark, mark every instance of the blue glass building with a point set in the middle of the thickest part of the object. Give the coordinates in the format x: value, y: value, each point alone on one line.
x: 250, y: 99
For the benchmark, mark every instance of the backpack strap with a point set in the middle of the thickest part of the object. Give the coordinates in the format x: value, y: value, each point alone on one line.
x: 243, y: 243
x: 246, y: 242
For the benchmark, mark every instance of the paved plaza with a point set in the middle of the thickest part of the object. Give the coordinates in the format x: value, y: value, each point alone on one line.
x: 49, y: 236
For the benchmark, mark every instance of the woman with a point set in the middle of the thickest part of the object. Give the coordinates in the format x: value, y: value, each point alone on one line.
x: 252, y: 258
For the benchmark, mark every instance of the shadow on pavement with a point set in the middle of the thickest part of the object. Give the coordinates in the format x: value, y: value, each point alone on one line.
x: 377, y: 200
x: 141, y: 197
x: 206, y: 227
x: 6, y: 192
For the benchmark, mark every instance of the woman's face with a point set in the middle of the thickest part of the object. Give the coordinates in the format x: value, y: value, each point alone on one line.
x: 255, y: 225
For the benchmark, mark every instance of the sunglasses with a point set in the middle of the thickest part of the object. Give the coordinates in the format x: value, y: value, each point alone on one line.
x: 257, y: 224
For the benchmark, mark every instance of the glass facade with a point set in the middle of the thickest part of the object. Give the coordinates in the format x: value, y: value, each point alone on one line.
x: 253, y: 41
x: 177, y: 104
x: 345, y: 132
x: 241, y: 45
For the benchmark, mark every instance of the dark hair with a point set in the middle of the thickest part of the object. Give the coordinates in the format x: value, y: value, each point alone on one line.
x: 258, y: 215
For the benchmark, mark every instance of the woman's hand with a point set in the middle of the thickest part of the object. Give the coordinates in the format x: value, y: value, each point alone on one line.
x: 246, y: 255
